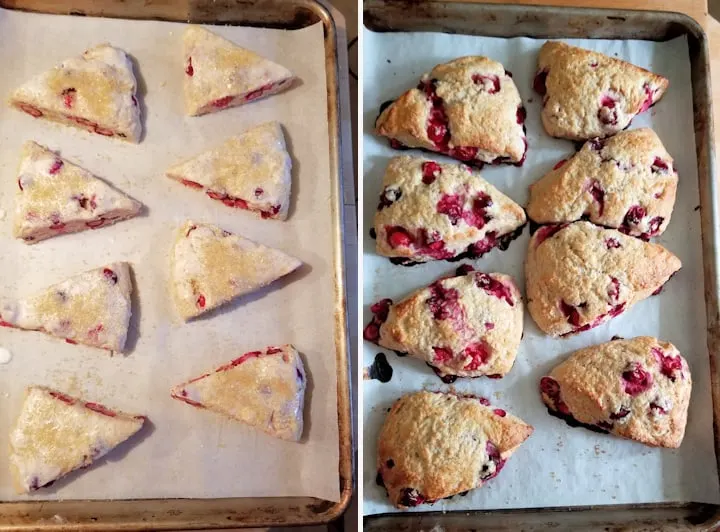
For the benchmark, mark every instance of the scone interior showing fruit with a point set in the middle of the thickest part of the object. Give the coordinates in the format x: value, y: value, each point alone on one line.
x: 433, y: 211
x: 250, y: 171
x: 587, y: 94
x: 54, y: 197
x: 56, y: 434
x: 468, y: 108
x: 579, y: 275
x: 95, y: 92
x: 211, y: 266
x: 637, y: 388
x: 91, y: 308
x: 467, y: 325
x: 220, y: 74
x: 627, y: 182
x: 264, y: 389
x: 434, y: 445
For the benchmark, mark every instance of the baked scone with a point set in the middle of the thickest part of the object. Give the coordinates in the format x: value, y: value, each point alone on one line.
x: 434, y: 445
x: 92, y: 308
x: 95, y: 92
x: 250, y: 171
x: 220, y: 74
x: 430, y: 211
x: 264, y: 389
x: 579, y: 275
x: 638, y: 389
x: 467, y: 325
x: 55, y: 196
x: 587, y: 94
x: 468, y: 108
x: 627, y: 182
x: 211, y: 267
x: 56, y: 434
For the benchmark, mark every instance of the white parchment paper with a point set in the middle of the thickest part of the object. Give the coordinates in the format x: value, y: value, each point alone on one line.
x: 186, y: 452
x: 558, y: 465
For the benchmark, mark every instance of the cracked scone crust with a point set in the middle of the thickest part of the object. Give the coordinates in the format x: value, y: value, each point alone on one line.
x: 464, y: 326
x: 637, y: 389
x: 434, y: 211
x: 434, y: 445
x: 627, y: 182
x: 587, y: 94
x: 95, y: 92
x: 579, y: 276
x: 468, y: 108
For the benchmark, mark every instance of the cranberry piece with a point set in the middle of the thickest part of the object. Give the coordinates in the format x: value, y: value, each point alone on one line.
x: 654, y: 225
x: 69, y: 341
x: 222, y: 102
x: 649, y: 95
x: 605, y: 425
x: 598, y: 194
x: 411, y: 497
x: 20, y: 184
x: 614, y: 289
x: 259, y: 192
x: 479, y: 248
x: 634, y: 215
x: 62, y: 397
x: 103, y: 131
x: 442, y: 354
x: 485, y: 80
x: 636, y: 379
x: 443, y: 302
x: 201, y: 301
x: 494, y: 287
x: 110, y: 275
x: 100, y: 409
x: 371, y: 333
x: 551, y: 388
x: 189, y: 70
x: 55, y: 167
x: 191, y: 184
x: 390, y: 463
x: 464, y: 153
x: 30, y: 109
x: 659, y: 166
x: 398, y: 236
x: 607, y: 114
x: 464, y: 269
x: 620, y: 414
x: 389, y: 196
x: 571, y: 313
x: 593, y: 64
x: 135, y: 103
x: 487, y: 472
x: 521, y: 115
x: 482, y: 400
x: 397, y: 145
x: 381, y: 309
x: 68, y: 97
x: 539, y: 83
x: 597, y: 144
x: 254, y: 95
x: 451, y: 205
x: 489, y: 325
x: 479, y: 354
x: 430, y: 171
x: 479, y: 216
x: 559, y: 164
x: 373, y: 233
x: 238, y: 204
x: 431, y: 245
x: 657, y: 408
x: 668, y: 364
x: 546, y: 232
x: 379, y: 480
x: 437, y: 129
x: 500, y: 412
x: 611, y: 243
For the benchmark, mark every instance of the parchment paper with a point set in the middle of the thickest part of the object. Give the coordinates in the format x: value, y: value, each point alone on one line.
x: 558, y: 465
x: 187, y: 452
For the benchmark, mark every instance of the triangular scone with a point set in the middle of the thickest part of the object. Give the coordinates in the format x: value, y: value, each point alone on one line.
x: 56, y: 434
x: 220, y: 74
x: 211, y: 266
x: 250, y: 171
x: 627, y: 182
x: 55, y: 196
x: 637, y: 389
x: 264, y: 389
x: 580, y: 275
x: 430, y: 211
x: 587, y: 94
x: 463, y: 326
x: 434, y: 445
x: 92, y: 308
x: 95, y: 91
x: 468, y: 108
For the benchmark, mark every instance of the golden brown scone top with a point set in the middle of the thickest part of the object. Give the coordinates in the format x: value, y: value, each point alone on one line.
x: 430, y: 210
x: 468, y: 108
x: 434, y: 445
x: 627, y: 182
x: 637, y: 389
x: 580, y: 275
x: 588, y: 94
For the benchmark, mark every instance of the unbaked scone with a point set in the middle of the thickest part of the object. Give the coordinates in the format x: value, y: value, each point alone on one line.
x: 211, y: 266
x: 467, y: 325
x: 92, y: 308
x: 220, y: 74
x: 55, y: 196
x: 435, y: 445
x: 250, y: 171
x: 587, y: 94
x: 56, y: 434
x: 637, y: 388
x: 264, y: 389
x: 95, y: 92
x: 580, y: 275
x: 468, y: 108
x: 627, y: 182
x: 432, y: 211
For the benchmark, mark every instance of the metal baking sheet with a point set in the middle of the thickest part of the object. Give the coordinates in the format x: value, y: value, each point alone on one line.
x: 511, y: 21
x: 329, y: 266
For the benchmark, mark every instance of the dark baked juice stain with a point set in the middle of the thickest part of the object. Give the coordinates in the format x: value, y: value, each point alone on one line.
x: 380, y: 369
